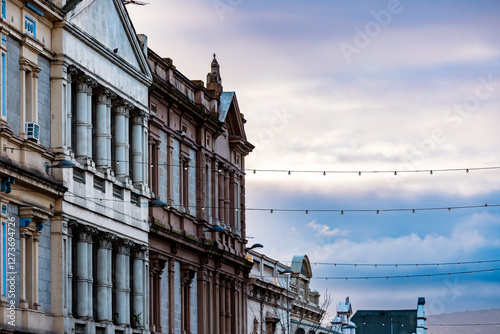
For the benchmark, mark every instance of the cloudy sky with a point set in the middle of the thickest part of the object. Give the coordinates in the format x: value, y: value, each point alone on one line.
x: 330, y: 85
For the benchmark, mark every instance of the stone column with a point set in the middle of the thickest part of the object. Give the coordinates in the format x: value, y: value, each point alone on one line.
x: 203, y: 294
x: 229, y: 310
x: 216, y: 303
x: 90, y: 282
x: 90, y: 137
x: 35, y: 302
x: 155, y: 272
x: 137, y: 148
x: 101, y: 127
x: 104, y: 245
x: 81, y: 118
x: 121, y: 160
x: 111, y: 96
x: 221, y: 205
x: 236, y: 318
x: 122, y: 248
x: 71, y: 72
x: 145, y: 152
x: 222, y: 305
x: 227, y: 200
x: 127, y: 142
x: 23, y: 299
x: 34, y: 93
x: 187, y: 275
x: 244, y: 294
x: 73, y: 230
x: 83, y: 248
x: 138, y: 288
x: 171, y: 296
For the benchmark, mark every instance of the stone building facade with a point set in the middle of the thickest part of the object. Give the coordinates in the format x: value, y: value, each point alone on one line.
x: 280, y: 300
x: 197, y: 149
x: 74, y: 86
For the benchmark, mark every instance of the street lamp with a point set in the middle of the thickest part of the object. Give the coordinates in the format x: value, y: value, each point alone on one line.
x: 254, y: 246
x: 157, y: 203
x: 288, y: 273
x: 61, y: 164
x: 215, y: 228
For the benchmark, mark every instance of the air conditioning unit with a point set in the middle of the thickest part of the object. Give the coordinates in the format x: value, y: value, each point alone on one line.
x: 32, y: 130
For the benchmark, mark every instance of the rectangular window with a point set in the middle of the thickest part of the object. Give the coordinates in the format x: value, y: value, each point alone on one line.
x: 4, y: 84
x: 208, y: 192
x: 4, y: 9
x: 79, y: 175
x: 117, y: 191
x: 153, y: 179
x: 134, y: 199
x: 99, y: 183
x: 4, y: 259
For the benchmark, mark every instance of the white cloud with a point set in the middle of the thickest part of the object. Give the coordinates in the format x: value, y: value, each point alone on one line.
x: 324, y: 230
x: 478, y: 232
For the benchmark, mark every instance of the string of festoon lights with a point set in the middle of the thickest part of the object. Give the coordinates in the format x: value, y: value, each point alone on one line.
x: 396, y: 265
x: 463, y: 325
x: 399, y: 323
x: 388, y: 277
x: 361, y: 172
x: 306, y: 211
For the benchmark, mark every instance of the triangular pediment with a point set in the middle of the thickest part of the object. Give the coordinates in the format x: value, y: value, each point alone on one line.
x: 108, y: 24
x: 229, y: 113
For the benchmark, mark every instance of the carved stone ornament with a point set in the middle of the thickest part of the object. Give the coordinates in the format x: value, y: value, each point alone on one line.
x: 105, y: 240
x: 123, y: 246
x: 85, y: 233
x: 140, y: 251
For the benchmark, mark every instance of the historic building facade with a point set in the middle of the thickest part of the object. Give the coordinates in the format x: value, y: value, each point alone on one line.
x: 197, y: 149
x: 280, y: 300
x: 74, y: 92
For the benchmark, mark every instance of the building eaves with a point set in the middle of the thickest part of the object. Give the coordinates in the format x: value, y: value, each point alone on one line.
x: 70, y: 5
x: 168, y: 89
x: 190, y: 242
x: 25, y: 175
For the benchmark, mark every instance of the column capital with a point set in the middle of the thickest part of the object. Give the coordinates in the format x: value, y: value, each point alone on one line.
x: 216, y: 277
x: 71, y: 71
x: 123, y: 104
x: 140, y: 251
x: 123, y: 246
x: 204, y: 274
x: 187, y: 273
x: 105, y: 240
x: 105, y: 95
x: 139, y: 114
x: 157, y: 265
x: 85, y: 232
x: 84, y: 84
